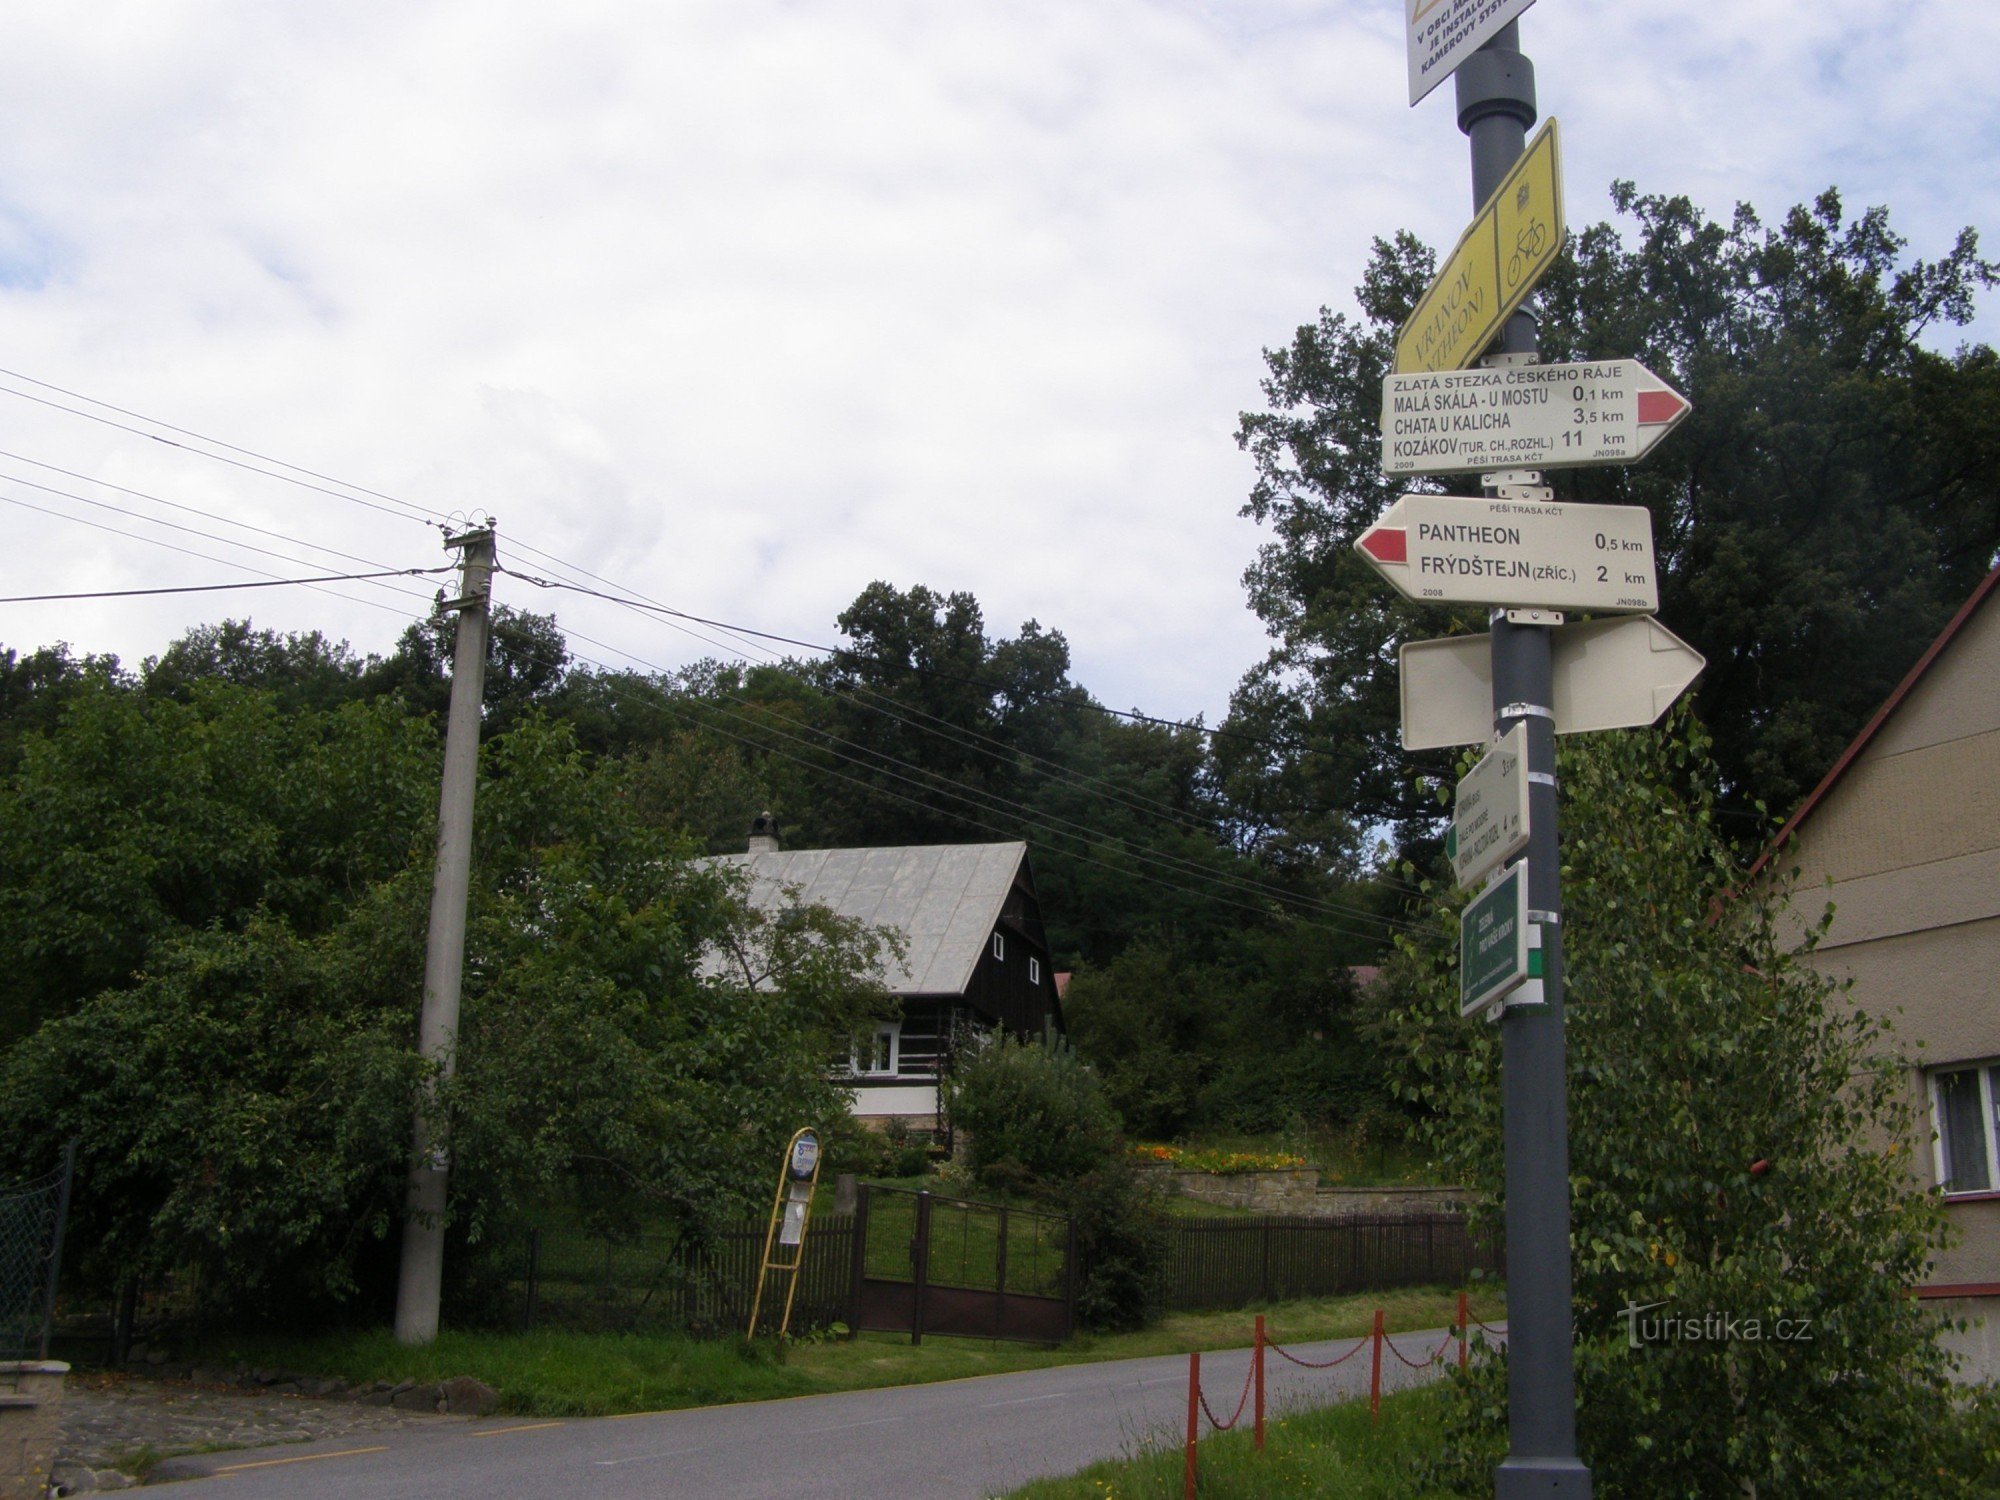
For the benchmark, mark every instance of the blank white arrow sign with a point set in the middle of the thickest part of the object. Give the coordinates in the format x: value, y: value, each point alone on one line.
x: 1609, y: 674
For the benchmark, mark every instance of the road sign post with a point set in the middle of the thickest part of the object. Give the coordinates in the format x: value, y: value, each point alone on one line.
x: 1609, y: 411
x: 1496, y: 104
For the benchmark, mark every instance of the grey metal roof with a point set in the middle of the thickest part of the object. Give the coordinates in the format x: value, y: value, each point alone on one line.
x: 943, y: 898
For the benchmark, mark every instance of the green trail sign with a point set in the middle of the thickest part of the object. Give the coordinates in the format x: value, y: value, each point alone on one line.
x: 1494, y: 950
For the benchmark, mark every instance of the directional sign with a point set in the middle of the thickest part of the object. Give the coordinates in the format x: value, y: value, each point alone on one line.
x: 1609, y: 674
x: 1451, y: 549
x: 1494, y: 952
x: 1444, y: 32
x: 1525, y: 417
x: 1514, y: 238
x: 1489, y: 816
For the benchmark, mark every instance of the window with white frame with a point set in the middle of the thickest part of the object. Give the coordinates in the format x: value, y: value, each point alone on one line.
x: 1962, y: 1105
x: 878, y: 1053
x: 999, y: 946
x: 1034, y: 971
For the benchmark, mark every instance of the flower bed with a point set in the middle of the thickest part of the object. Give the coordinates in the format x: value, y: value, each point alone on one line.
x: 1219, y: 1163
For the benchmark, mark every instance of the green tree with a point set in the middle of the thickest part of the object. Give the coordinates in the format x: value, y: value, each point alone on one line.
x: 1834, y: 495
x: 636, y: 1044
x: 139, y: 817
x: 1739, y: 1145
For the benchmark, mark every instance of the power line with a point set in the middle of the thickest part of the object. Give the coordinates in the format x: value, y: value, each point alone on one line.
x: 214, y: 588
x: 354, y: 493
x: 876, y: 702
x: 49, y: 489
x: 992, y: 803
x: 632, y: 600
x: 204, y: 556
x: 421, y: 512
x: 700, y: 723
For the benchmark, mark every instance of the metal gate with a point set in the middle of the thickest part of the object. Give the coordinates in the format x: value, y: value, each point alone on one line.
x: 930, y: 1264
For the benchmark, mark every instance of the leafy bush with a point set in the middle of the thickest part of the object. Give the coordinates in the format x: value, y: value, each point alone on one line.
x: 1037, y: 1123
x: 1121, y: 1246
x: 1033, y: 1114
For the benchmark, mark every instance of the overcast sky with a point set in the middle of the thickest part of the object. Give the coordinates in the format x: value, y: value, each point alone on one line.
x: 746, y: 303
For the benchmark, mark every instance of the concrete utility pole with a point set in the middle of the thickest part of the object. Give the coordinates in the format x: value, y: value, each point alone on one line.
x: 420, y: 1284
x: 1496, y: 105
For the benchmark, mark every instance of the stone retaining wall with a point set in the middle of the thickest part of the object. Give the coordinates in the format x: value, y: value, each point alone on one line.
x: 1298, y: 1191
x: 30, y: 1410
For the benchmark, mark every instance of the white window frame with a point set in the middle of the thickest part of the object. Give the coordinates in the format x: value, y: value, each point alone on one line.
x: 1034, y: 971
x: 862, y: 1065
x: 1000, y: 947
x: 1990, y: 1135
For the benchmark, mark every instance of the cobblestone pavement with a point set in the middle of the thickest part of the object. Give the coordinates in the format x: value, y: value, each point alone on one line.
x: 110, y: 1420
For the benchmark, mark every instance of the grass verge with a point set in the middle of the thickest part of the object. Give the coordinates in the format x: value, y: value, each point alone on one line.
x: 577, y: 1374
x: 1334, y: 1451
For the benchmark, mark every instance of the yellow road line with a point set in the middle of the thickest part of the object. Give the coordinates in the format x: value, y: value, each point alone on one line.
x: 303, y: 1458
x: 528, y: 1427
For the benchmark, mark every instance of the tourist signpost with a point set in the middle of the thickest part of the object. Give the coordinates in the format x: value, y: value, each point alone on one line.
x: 1488, y: 551
x: 1535, y: 675
x: 1608, y: 411
x: 1513, y: 239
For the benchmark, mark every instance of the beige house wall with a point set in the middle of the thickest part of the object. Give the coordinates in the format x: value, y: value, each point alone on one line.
x: 1906, y: 846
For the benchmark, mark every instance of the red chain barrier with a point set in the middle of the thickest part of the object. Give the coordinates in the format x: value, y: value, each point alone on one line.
x: 1310, y: 1364
x: 1253, y: 1378
x: 1436, y: 1355
x: 1235, y: 1416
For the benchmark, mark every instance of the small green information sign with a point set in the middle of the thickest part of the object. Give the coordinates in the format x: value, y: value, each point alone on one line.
x: 1493, y: 948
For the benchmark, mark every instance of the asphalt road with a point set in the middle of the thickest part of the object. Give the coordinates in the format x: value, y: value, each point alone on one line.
x: 963, y: 1438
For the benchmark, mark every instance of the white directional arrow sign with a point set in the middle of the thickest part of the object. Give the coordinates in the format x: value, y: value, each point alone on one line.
x: 1525, y: 417
x: 1609, y: 674
x: 1457, y: 550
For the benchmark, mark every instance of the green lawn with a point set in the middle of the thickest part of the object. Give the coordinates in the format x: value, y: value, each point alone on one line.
x: 1333, y: 1452
x: 579, y: 1374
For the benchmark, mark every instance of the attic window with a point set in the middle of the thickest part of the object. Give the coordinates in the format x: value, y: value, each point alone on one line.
x: 1034, y: 971
x: 999, y: 947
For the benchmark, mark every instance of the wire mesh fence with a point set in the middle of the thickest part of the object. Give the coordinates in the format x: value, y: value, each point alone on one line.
x: 32, y: 1216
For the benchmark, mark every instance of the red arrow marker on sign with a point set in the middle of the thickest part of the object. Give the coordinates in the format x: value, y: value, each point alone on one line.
x: 1658, y: 407
x: 1386, y: 544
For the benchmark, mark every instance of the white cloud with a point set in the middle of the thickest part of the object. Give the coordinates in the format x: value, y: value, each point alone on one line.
x: 749, y: 304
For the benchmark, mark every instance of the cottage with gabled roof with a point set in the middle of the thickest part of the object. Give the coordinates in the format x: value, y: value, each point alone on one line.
x: 1905, y: 829
x: 976, y: 959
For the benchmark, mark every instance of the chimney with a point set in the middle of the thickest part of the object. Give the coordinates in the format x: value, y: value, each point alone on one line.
x: 764, y: 834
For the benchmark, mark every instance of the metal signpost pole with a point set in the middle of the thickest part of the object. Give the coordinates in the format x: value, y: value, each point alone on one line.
x: 1496, y: 105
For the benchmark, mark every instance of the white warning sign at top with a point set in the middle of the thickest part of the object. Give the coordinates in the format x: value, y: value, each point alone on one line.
x: 1443, y: 33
